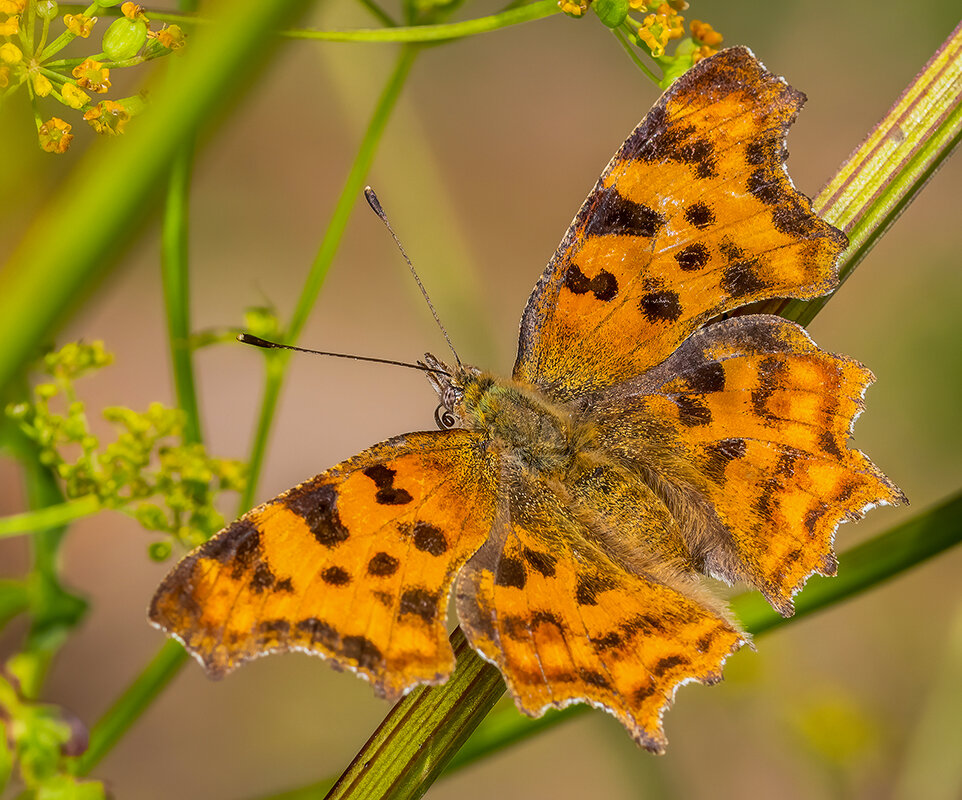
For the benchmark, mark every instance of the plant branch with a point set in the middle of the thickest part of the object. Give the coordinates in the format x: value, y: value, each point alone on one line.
x: 350, y: 192
x: 54, y: 516
x: 882, y: 177
x: 176, y: 280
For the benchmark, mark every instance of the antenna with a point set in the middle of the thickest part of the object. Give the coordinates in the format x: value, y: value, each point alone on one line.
x: 375, y: 205
x: 248, y: 338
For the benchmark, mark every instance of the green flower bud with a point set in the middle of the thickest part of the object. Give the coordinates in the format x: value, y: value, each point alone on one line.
x: 159, y: 551
x: 611, y: 12
x: 124, y: 38
x: 47, y: 9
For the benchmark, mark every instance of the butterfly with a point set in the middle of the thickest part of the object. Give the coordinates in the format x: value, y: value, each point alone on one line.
x: 643, y: 440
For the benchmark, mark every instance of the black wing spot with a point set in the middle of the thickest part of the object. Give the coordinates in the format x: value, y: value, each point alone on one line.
x: 511, y: 573
x: 692, y: 411
x: 420, y: 602
x: 429, y: 539
x: 336, y: 576
x: 699, y: 215
x: 615, y: 214
x: 604, y: 285
x: 661, y: 306
x: 693, y: 257
x: 317, y: 506
x: 387, y: 494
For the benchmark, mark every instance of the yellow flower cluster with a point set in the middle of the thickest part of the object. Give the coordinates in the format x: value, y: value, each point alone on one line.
x: 28, y: 47
x: 706, y: 37
x: 657, y: 29
x: 652, y: 25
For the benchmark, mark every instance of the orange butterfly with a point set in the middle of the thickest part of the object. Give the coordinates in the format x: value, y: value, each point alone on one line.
x: 637, y: 444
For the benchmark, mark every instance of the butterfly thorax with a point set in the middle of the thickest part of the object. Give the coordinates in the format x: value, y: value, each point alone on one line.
x: 538, y: 434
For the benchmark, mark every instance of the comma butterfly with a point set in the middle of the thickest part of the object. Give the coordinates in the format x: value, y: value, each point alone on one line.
x: 639, y: 442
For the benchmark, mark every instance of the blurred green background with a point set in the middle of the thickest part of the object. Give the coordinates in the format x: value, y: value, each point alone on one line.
x: 495, y: 143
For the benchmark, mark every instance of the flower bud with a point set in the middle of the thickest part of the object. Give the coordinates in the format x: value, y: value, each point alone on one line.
x: 124, y: 38
x: 47, y: 9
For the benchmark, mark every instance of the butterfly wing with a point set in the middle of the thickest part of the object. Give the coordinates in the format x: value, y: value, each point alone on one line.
x: 355, y: 565
x: 694, y: 216
x: 750, y: 414
x: 566, y: 622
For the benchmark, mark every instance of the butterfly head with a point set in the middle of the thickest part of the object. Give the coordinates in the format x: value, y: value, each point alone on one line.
x: 451, y: 384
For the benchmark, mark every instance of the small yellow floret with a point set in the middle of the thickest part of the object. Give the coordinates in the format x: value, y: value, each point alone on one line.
x: 12, y: 6
x: 172, y: 37
x: 704, y: 33
x: 74, y: 97
x: 10, y: 26
x: 133, y: 11
x: 573, y: 8
x: 41, y: 84
x: 79, y: 25
x: 92, y: 75
x: 10, y: 53
x: 108, y: 117
x: 55, y: 135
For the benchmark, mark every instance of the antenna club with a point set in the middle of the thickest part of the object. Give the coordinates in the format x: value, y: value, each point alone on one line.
x: 373, y: 202
x: 249, y: 338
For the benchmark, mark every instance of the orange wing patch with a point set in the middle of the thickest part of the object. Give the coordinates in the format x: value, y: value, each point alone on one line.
x: 355, y: 565
x: 694, y: 216
x: 765, y: 417
x: 565, y: 624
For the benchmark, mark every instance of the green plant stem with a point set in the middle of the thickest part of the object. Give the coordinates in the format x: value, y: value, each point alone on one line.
x: 57, y: 262
x: 437, y: 33
x: 410, y: 748
x: 412, y: 34
x: 353, y: 185
x: 633, y: 55
x: 882, y: 177
x: 40, y: 519
x: 176, y: 280
x: 130, y: 705
x: 379, y: 13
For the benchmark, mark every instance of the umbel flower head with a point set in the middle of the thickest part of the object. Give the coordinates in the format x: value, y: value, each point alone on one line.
x: 29, y: 44
x: 652, y: 26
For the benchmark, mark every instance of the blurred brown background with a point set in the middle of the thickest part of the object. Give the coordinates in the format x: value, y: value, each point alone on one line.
x: 496, y: 142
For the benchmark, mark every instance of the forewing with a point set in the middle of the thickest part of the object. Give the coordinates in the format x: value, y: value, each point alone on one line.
x: 354, y: 565
x: 565, y: 623
x: 762, y: 417
x: 694, y: 216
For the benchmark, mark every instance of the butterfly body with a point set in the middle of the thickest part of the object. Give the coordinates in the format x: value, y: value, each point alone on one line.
x: 641, y: 441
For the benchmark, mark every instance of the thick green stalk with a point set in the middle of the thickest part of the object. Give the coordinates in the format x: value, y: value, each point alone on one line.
x: 882, y: 177
x: 176, y: 279
x: 410, y: 748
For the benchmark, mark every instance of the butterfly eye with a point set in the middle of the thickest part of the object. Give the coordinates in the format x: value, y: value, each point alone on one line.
x: 444, y: 419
